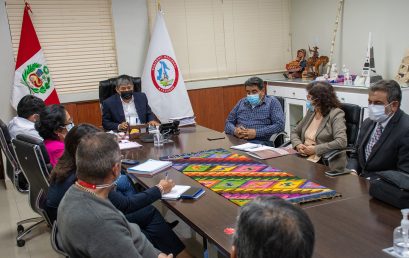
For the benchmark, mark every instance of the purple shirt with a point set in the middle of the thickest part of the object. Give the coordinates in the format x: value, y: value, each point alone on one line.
x: 55, y: 149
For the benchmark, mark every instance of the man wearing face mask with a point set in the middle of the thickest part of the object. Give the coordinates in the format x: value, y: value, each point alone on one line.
x: 28, y: 112
x: 383, y: 142
x: 256, y: 117
x: 89, y: 225
x: 126, y: 107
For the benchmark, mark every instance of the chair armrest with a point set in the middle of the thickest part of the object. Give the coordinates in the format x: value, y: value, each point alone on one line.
x: 327, y: 157
x: 278, y: 138
x: 285, y: 144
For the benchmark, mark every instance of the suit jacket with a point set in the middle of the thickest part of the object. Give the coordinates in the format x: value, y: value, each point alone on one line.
x: 331, y: 135
x: 391, y: 152
x: 113, y: 112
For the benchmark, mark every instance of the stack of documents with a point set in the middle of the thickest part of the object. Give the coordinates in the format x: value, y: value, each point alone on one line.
x: 150, y: 167
x: 246, y: 146
x: 184, y: 121
x: 125, y: 144
x: 264, y: 152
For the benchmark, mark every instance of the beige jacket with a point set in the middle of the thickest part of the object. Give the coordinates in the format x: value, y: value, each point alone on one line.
x: 331, y: 135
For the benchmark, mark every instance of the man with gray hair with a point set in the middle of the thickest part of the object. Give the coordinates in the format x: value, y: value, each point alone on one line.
x: 273, y: 227
x: 126, y: 107
x: 89, y: 225
x: 383, y: 142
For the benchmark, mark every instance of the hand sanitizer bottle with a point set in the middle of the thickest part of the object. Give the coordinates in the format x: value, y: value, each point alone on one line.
x: 401, y: 236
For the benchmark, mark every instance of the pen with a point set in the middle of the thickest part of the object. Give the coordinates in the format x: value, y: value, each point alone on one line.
x: 166, y: 175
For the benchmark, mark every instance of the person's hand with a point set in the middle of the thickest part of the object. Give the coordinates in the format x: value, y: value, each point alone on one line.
x: 123, y: 126
x: 167, y: 185
x: 153, y: 123
x: 162, y: 255
x: 249, y: 134
x: 300, y: 148
x: 309, y: 150
x: 239, y: 132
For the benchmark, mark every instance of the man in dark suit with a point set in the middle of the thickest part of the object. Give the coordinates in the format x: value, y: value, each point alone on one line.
x: 126, y: 107
x: 383, y: 142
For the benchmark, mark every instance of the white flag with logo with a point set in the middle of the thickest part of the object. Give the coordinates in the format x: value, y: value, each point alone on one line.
x: 162, y: 80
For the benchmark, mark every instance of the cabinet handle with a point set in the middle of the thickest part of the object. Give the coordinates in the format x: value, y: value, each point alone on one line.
x: 343, y: 99
x: 274, y: 92
x: 294, y: 93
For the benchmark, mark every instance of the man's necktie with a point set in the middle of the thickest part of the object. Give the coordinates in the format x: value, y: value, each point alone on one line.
x: 375, y: 137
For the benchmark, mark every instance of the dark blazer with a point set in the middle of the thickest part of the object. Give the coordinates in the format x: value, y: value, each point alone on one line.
x: 391, y: 152
x: 113, y: 112
x: 331, y: 135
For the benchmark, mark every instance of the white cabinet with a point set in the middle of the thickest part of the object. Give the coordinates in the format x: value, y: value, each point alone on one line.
x: 295, y: 96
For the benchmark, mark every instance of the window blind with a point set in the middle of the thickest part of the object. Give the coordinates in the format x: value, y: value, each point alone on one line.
x: 227, y: 38
x: 77, y: 38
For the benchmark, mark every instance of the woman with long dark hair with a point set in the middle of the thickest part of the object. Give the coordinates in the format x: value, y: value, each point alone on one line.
x: 323, y: 128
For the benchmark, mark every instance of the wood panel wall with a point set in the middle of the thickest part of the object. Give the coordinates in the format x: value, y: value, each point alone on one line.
x: 210, y: 105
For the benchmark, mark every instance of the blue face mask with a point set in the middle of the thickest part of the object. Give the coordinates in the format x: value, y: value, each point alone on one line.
x: 254, y: 99
x: 309, y: 105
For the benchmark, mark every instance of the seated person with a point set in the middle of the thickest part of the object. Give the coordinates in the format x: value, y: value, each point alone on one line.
x: 53, y: 125
x: 126, y: 108
x: 256, y: 117
x: 383, y: 141
x: 323, y: 128
x: 28, y: 112
x: 89, y: 225
x: 273, y: 227
x: 137, y: 207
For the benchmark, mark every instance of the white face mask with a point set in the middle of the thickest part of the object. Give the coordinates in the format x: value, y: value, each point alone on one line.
x: 377, y: 113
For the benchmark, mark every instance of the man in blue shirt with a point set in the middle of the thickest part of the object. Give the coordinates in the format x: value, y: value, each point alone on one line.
x: 256, y: 117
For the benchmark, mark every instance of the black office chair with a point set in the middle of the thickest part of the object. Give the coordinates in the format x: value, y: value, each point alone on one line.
x: 107, y: 87
x: 353, y: 119
x: 278, y: 139
x: 32, y: 163
x: 12, y: 167
x: 46, y: 165
x: 54, y: 241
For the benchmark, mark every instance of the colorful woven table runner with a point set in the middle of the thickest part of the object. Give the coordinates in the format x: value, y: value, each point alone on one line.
x: 239, y: 178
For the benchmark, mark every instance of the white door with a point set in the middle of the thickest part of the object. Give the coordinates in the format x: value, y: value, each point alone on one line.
x: 295, y: 110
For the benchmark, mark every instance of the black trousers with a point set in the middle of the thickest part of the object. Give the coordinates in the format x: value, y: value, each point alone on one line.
x: 155, y: 228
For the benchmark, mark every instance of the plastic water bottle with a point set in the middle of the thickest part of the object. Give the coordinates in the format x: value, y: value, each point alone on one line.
x: 401, y: 236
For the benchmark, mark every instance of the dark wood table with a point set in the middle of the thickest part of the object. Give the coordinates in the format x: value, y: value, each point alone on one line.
x: 353, y: 225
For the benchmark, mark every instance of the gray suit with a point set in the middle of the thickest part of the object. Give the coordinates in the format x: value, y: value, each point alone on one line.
x: 331, y: 135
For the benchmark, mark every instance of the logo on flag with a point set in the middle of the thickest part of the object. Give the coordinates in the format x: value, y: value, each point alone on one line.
x: 37, y: 78
x: 164, y: 73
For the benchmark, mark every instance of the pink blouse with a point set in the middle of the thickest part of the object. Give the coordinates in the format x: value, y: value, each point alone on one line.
x: 55, y: 149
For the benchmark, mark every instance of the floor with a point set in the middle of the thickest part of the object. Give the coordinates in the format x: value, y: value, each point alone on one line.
x: 14, y: 207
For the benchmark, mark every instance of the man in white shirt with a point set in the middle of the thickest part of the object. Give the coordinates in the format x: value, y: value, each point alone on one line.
x: 28, y: 110
x: 126, y: 108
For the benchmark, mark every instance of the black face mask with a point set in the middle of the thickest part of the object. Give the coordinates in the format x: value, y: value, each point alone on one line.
x: 126, y: 95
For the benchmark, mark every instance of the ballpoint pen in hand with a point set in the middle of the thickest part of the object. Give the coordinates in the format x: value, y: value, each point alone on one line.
x: 166, y: 175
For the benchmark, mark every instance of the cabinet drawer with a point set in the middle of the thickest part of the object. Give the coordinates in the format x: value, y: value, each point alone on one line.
x: 287, y: 92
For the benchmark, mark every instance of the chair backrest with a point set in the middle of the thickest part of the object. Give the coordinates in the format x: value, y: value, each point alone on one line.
x: 353, y: 119
x: 46, y: 159
x: 6, y: 147
x: 107, y: 87
x: 280, y: 139
x: 54, y: 240
x: 31, y: 161
x: 281, y: 100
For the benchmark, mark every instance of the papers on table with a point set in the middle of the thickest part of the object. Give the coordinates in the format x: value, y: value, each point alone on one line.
x: 176, y: 192
x: 150, y: 167
x: 125, y: 144
x: 264, y: 152
x: 184, y: 121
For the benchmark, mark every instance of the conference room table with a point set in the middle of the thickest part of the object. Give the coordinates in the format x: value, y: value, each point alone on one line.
x: 351, y: 225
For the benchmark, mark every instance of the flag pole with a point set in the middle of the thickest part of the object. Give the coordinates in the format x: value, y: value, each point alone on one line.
x: 159, y: 7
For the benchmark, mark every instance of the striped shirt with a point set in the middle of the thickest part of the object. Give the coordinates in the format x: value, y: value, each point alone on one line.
x: 267, y: 117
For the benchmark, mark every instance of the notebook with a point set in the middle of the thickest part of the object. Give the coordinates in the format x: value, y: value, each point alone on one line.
x: 266, y: 152
x: 125, y: 144
x: 176, y: 192
x: 149, y: 167
x: 193, y: 193
x: 246, y: 146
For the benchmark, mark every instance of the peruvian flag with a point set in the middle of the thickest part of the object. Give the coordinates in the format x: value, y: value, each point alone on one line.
x: 32, y: 75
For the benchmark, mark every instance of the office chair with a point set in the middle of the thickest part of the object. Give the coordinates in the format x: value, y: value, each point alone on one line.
x: 54, y: 241
x: 278, y: 139
x: 353, y: 119
x: 12, y: 167
x: 31, y: 161
x: 47, y: 165
x: 107, y: 87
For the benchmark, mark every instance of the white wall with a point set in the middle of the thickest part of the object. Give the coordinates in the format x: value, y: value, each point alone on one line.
x: 6, y: 67
x: 313, y: 20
